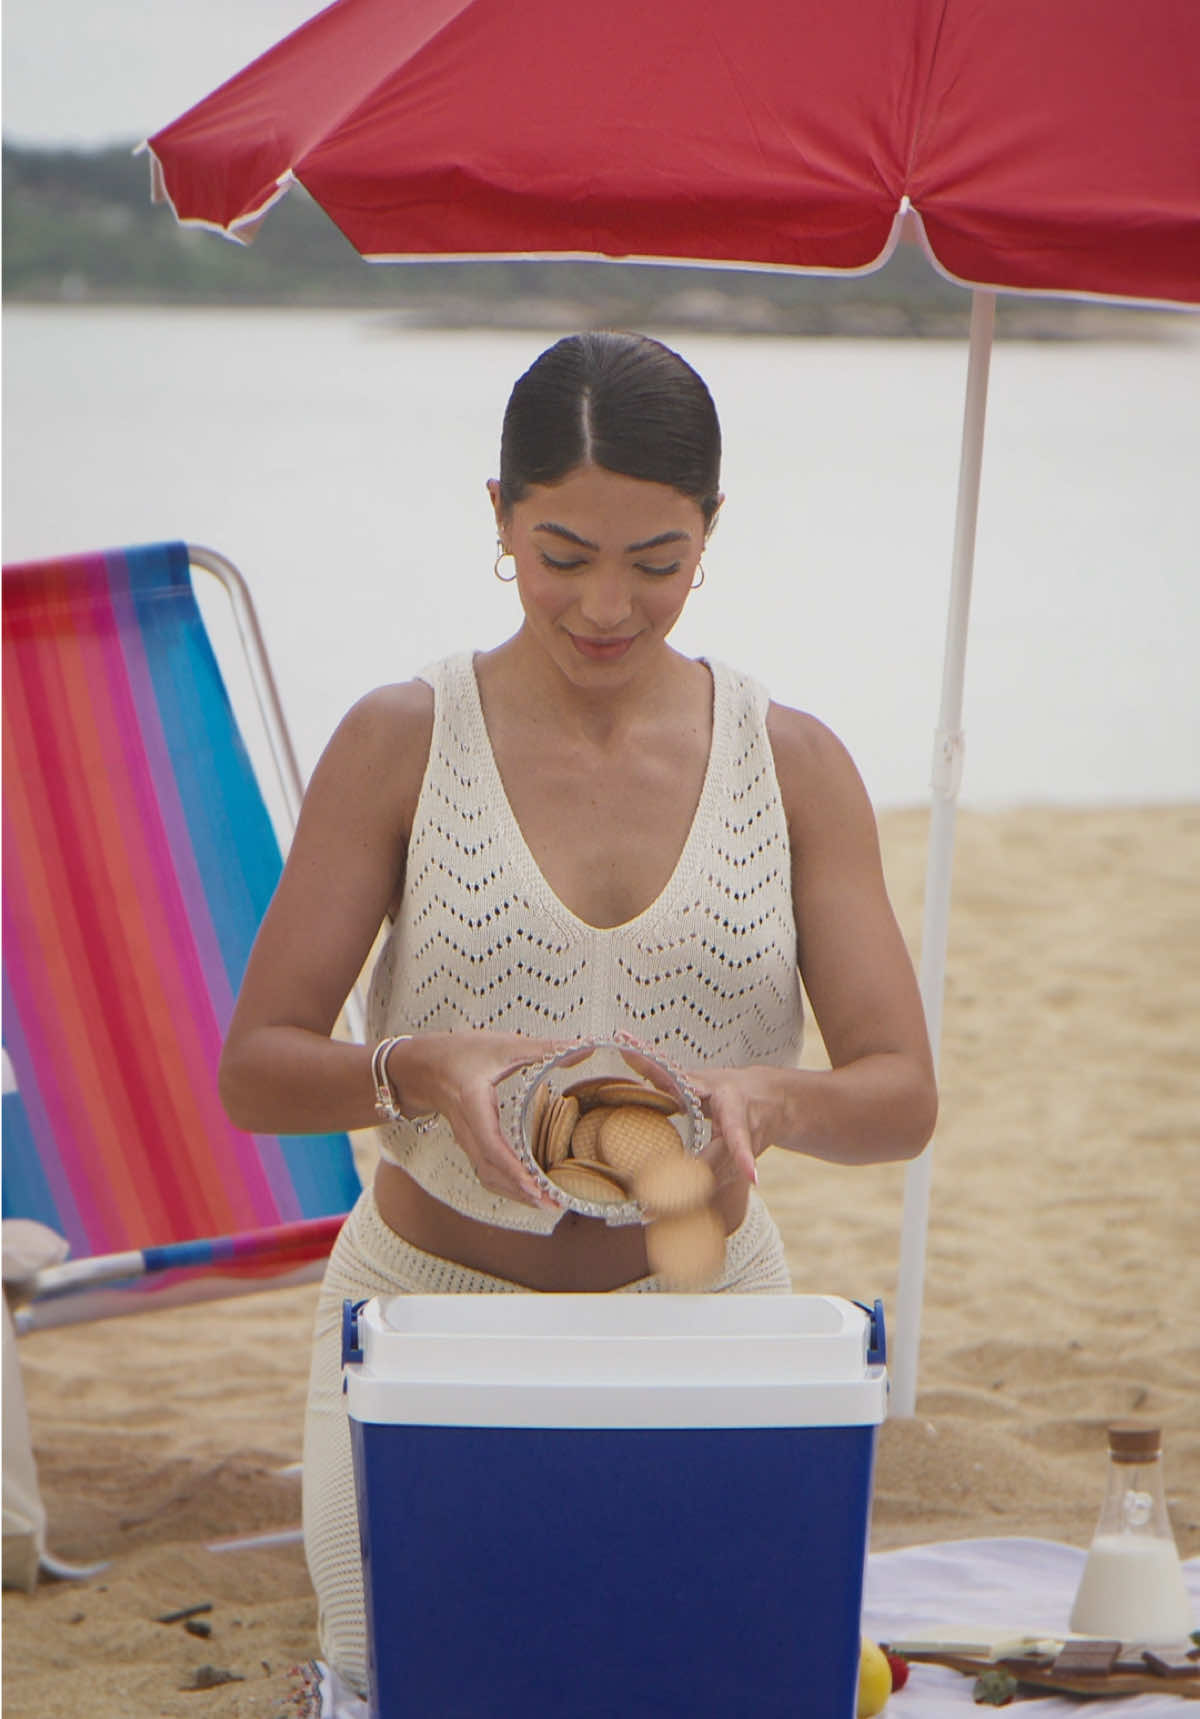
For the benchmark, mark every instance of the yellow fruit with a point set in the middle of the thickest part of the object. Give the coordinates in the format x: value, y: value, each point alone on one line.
x: 874, y: 1680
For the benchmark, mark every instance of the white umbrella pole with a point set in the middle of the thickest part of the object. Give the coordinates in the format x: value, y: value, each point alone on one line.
x: 947, y: 774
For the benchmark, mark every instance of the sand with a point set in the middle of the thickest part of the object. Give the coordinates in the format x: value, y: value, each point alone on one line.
x: 1062, y: 1285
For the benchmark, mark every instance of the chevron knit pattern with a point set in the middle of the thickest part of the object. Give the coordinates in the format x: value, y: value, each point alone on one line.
x: 707, y: 973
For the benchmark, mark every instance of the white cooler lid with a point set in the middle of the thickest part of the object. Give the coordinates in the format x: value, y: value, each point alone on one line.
x: 615, y: 1360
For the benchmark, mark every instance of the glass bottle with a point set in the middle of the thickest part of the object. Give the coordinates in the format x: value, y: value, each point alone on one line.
x: 1132, y: 1587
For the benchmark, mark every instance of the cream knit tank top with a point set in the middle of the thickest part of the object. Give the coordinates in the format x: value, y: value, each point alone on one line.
x: 707, y: 973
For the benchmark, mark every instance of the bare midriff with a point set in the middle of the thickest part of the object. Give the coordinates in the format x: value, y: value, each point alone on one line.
x: 581, y: 1254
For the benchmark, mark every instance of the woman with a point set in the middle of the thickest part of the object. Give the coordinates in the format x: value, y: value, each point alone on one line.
x: 577, y: 832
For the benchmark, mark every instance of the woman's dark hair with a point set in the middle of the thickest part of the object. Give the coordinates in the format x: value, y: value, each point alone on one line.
x: 620, y: 401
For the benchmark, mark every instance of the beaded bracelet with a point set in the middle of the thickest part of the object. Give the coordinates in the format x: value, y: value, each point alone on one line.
x: 387, y: 1106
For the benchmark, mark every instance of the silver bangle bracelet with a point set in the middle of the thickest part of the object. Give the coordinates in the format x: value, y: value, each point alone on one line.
x: 387, y: 1106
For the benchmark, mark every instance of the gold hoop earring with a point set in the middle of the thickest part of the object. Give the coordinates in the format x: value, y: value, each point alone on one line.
x: 503, y: 554
x: 699, y: 579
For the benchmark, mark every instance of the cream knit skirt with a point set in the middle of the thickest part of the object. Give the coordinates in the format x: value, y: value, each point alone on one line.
x: 370, y: 1259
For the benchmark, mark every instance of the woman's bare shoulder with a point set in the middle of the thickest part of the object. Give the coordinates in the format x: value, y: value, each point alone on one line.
x: 402, y: 709
x: 803, y: 745
x: 382, y: 743
x: 818, y: 778
x: 399, y: 714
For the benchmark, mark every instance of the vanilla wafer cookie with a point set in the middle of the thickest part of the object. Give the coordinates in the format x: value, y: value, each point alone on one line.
x: 631, y: 1136
x: 587, y: 1182
x: 587, y: 1133
x: 614, y: 1091
x: 584, y: 1091
x: 687, y: 1252
x: 667, y: 1187
x: 537, y: 1119
x: 542, y: 1143
x: 605, y: 1170
x: 564, y: 1114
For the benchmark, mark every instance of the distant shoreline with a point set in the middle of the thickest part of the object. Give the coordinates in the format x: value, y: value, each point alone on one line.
x: 80, y: 230
x: 1039, y: 320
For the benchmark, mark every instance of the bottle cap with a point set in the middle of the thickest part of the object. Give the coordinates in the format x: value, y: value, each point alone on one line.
x: 1134, y: 1441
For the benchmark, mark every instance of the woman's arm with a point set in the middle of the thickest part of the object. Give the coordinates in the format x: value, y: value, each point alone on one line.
x: 280, y: 1070
x: 878, y: 1100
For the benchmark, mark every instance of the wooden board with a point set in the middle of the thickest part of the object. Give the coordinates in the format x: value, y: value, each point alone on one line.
x: 1111, y: 1683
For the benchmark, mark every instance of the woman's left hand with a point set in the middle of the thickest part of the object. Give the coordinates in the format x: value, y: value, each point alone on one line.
x: 737, y: 1105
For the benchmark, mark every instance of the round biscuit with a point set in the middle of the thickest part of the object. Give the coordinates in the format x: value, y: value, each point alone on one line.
x: 586, y: 1133
x: 605, y: 1170
x: 687, y: 1252
x: 668, y: 1187
x: 585, y: 1090
x: 563, y: 1117
x: 537, y: 1114
x: 635, y: 1092
x: 543, y: 1135
x: 587, y: 1182
x: 632, y: 1135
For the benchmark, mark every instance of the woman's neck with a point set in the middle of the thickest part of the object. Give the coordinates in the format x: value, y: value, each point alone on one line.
x: 521, y: 677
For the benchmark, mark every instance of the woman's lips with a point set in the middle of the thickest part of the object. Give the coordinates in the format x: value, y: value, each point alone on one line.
x: 602, y: 650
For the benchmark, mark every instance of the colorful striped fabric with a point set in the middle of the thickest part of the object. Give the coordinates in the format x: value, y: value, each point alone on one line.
x: 138, y: 861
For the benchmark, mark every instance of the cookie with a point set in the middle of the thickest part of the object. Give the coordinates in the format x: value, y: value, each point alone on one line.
x: 585, y: 1181
x: 614, y: 1091
x: 687, y: 1252
x: 668, y: 1187
x: 586, y: 1135
x: 564, y: 1114
x: 542, y: 1144
x: 537, y: 1118
x: 605, y: 1170
x: 632, y: 1136
x: 584, y: 1091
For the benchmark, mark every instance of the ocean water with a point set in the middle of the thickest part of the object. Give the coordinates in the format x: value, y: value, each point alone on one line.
x: 340, y: 460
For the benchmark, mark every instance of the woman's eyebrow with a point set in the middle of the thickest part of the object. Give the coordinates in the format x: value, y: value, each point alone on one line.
x: 630, y: 548
x: 569, y: 536
x: 657, y: 542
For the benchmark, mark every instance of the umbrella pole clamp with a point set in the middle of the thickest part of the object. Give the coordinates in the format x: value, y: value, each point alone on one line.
x: 949, y: 750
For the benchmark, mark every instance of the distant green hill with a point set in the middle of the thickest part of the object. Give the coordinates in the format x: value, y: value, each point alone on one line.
x: 79, y: 227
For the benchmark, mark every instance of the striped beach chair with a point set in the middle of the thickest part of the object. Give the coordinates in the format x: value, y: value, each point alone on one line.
x: 139, y: 857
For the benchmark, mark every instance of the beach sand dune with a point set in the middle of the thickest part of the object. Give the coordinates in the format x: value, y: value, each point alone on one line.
x: 1062, y: 1281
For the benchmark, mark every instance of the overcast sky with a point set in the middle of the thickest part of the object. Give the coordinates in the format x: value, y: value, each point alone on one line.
x: 91, y: 72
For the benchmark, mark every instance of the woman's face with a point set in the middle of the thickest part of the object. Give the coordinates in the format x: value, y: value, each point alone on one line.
x: 604, y: 566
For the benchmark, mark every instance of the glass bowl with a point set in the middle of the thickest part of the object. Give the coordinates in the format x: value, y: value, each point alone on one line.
x: 615, y: 1060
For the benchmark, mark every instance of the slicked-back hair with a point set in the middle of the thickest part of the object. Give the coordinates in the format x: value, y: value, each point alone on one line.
x: 622, y: 402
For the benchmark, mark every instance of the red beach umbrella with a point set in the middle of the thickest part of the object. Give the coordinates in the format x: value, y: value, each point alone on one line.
x: 1046, y: 148
x: 1032, y: 147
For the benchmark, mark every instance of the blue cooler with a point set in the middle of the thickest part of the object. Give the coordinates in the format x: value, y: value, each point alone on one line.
x: 613, y: 1506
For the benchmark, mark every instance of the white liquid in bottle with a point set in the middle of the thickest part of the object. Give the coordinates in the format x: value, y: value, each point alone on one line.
x: 1133, y: 1590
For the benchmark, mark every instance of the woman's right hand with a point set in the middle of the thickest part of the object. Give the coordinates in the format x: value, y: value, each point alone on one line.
x: 456, y: 1074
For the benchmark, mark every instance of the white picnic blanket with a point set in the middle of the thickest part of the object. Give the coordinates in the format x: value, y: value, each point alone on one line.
x: 1025, y: 1585
x: 24, y: 1512
x: 27, y: 1248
